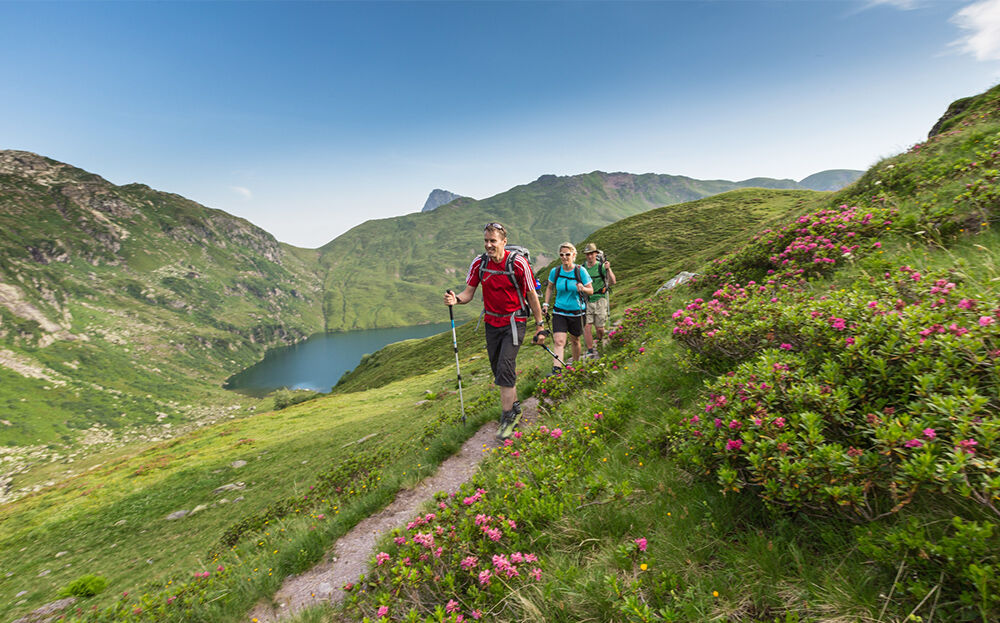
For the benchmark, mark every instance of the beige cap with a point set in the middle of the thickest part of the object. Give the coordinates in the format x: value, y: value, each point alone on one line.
x: 589, y: 248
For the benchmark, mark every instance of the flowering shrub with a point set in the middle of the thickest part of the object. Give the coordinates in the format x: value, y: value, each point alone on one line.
x: 812, y: 245
x: 586, y: 373
x: 877, y: 394
x: 638, y: 322
x: 860, y: 401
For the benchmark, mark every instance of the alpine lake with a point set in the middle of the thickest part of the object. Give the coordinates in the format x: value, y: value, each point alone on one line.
x: 317, y: 363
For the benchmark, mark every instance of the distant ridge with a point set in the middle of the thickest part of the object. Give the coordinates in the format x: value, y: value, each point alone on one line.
x: 438, y: 198
x: 391, y: 272
x: 832, y: 179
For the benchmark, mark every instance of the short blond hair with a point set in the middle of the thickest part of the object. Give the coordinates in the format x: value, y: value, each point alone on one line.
x: 568, y: 245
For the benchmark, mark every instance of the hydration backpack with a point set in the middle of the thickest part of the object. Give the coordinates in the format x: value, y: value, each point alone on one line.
x: 601, y: 258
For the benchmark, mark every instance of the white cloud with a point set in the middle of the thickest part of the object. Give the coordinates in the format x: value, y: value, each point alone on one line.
x: 982, y: 20
x: 242, y: 192
x: 905, y: 5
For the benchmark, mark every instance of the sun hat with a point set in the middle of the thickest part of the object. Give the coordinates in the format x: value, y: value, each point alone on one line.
x: 589, y: 248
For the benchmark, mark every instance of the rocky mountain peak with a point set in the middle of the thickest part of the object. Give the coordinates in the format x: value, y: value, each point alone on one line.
x: 438, y: 198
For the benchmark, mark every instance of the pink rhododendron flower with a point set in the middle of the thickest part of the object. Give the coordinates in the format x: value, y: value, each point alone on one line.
x: 381, y: 558
x: 451, y: 606
x: 786, y: 347
x: 852, y: 451
x: 383, y: 611
x: 734, y: 444
x: 930, y: 433
x: 968, y: 445
x: 913, y: 443
x: 985, y: 321
x: 641, y: 542
x: 536, y: 573
x: 556, y: 433
x: 484, y: 577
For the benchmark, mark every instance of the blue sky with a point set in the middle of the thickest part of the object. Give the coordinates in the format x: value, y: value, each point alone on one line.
x: 310, y: 118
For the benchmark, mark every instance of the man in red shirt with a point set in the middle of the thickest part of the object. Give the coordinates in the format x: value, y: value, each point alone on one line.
x: 508, y: 297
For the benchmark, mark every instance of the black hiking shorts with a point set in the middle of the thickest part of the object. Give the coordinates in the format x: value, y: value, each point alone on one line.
x: 567, y: 324
x: 502, y: 352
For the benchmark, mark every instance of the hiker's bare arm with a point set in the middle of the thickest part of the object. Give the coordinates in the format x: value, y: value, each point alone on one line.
x: 585, y: 289
x: 463, y: 297
x: 611, y: 276
x: 548, y: 293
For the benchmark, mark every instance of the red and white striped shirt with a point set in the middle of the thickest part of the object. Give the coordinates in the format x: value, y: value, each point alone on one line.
x: 499, y: 295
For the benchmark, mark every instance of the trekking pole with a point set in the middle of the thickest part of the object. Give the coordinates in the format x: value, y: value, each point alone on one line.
x: 454, y: 345
x: 548, y: 350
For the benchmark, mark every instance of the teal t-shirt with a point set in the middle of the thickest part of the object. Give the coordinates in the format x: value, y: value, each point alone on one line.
x: 568, y: 300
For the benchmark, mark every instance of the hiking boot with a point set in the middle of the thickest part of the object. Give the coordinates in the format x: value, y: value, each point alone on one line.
x: 555, y: 370
x: 516, y: 410
x: 507, y: 423
x: 592, y: 353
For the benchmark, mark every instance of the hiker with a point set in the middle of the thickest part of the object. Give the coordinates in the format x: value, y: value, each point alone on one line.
x: 570, y: 283
x: 508, y: 299
x: 598, y: 303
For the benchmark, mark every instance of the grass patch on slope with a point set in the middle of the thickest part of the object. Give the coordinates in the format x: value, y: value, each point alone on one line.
x: 111, y: 520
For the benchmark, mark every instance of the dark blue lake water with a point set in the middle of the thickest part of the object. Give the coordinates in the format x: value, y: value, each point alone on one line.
x: 318, y: 363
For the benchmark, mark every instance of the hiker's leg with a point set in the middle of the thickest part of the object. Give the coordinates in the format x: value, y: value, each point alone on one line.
x: 588, y: 333
x: 574, y: 342
x: 507, y: 397
x: 575, y: 330
x: 505, y: 375
x: 558, y: 345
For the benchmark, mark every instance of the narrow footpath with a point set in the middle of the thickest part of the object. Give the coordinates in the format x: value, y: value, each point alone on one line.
x: 350, y: 555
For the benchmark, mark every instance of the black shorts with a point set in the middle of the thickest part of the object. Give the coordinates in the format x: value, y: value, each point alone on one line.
x: 502, y: 352
x: 567, y: 324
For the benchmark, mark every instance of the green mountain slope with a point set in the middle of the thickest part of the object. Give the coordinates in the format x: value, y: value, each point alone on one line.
x: 121, y: 306
x: 391, y: 272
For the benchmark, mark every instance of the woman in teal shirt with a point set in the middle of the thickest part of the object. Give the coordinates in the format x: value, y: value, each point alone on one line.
x: 571, y: 284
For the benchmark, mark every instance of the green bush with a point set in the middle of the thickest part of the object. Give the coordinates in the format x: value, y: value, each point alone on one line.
x: 85, y: 586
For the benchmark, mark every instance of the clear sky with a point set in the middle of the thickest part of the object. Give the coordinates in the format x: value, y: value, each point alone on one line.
x: 310, y: 118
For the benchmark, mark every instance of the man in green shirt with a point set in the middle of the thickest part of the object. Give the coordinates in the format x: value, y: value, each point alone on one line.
x: 598, y: 304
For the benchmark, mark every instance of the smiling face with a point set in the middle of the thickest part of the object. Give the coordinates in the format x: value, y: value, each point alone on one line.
x: 567, y: 256
x: 494, y: 242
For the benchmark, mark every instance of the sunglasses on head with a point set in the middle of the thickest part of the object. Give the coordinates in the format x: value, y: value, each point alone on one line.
x: 496, y: 226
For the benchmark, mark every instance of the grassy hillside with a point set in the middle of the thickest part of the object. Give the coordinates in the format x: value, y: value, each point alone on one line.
x: 391, y: 272
x: 807, y: 433
x: 122, y: 309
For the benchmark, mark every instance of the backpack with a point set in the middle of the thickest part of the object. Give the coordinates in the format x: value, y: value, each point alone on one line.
x: 514, y: 252
x: 577, y: 270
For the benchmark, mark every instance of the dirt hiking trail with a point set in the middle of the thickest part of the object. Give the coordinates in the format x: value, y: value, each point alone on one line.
x: 348, y: 559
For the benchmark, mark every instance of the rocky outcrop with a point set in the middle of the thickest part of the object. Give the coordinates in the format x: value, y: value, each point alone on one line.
x: 438, y: 198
